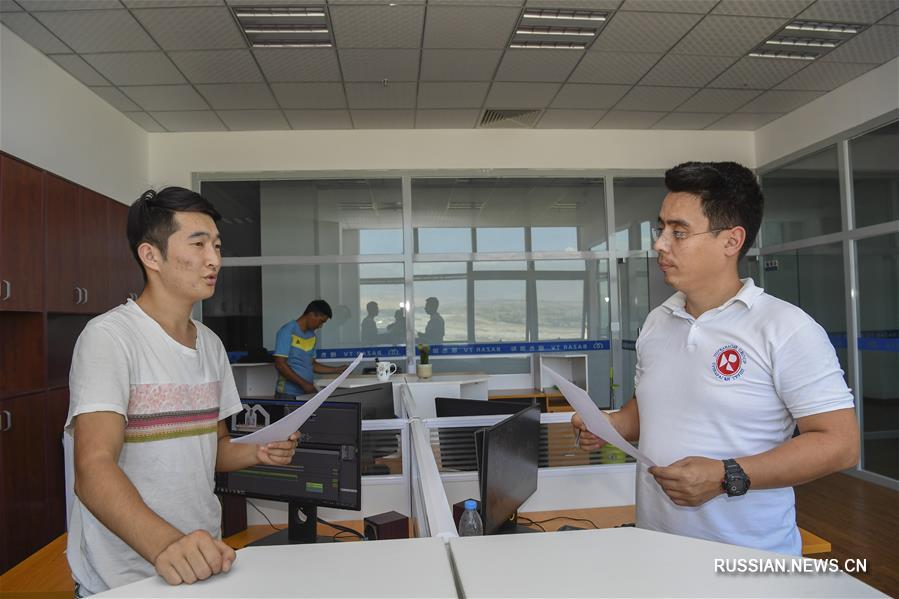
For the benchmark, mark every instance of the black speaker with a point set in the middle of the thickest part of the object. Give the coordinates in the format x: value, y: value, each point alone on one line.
x: 389, y: 525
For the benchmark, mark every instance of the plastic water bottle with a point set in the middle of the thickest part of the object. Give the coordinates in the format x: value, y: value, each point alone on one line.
x: 470, y: 522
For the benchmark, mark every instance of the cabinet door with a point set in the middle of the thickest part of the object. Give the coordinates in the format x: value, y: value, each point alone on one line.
x: 63, y: 229
x: 23, y: 486
x: 21, y: 236
x: 57, y: 411
x: 125, y: 279
x: 93, y: 273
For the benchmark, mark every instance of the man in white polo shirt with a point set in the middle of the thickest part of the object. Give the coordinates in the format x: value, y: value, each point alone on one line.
x: 725, y: 372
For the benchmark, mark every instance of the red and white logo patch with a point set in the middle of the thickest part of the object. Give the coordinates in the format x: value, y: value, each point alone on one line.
x: 729, y: 363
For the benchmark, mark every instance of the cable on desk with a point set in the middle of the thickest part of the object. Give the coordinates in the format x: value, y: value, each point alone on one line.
x: 342, y: 528
x: 563, y: 518
x: 530, y: 522
x: 251, y: 504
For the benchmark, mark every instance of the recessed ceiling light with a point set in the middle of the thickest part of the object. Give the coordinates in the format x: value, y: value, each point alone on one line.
x: 291, y: 44
x: 267, y: 13
x: 821, y: 26
x: 778, y: 54
x: 572, y: 31
x: 565, y: 15
x: 798, y: 41
x: 549, y: 45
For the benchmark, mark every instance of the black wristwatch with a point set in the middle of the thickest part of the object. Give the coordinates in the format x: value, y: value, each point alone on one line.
x: 735, y: 481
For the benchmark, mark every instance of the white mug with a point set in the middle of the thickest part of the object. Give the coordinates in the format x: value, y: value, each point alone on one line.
x: 385, y: 369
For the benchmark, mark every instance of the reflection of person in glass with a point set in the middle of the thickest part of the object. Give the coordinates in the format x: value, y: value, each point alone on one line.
x: 369, y: 329
x: 295, y: 352
x: 396, y: 330
x: 435, y: 328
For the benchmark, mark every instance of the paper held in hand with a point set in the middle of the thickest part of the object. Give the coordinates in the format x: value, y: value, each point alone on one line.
x: 282, y: 429
x: 596, y: 420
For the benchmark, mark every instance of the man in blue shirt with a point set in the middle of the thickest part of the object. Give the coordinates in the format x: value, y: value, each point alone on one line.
x: 295, y: 352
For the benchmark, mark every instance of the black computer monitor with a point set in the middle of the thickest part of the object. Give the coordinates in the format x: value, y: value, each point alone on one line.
x: 376, y: 400
x: 325, y: 470
x: 457, y: 445
x: 507, y: 470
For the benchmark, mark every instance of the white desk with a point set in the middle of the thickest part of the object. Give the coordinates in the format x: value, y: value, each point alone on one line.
x: 399, y: 568
x: 626, y: 562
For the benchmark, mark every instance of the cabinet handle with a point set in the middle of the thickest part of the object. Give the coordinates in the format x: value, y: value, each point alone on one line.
x: 8, y: 293
x: 85, y: 295
x: 77, y: 296
x: 8, y: 421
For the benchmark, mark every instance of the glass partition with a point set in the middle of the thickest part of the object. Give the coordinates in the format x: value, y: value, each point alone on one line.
x: 874, y: 157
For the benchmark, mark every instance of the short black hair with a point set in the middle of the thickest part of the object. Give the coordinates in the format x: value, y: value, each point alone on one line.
x: 730, y: 195
x: 151, y: 219
x: 319, y: 307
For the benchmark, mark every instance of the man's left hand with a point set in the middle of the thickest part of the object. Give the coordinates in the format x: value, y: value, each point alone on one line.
x: 691, y: 481
x: 279, y: 453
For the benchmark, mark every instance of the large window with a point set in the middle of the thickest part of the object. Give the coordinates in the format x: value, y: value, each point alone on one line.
x: 875, y: 175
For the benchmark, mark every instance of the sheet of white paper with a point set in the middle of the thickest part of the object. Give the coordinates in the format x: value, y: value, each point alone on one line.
x: 596, y: 420
x: 280, y: 430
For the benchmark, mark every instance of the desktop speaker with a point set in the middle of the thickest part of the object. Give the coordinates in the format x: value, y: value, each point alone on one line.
x: 389, y: 525
x: 459, y: 509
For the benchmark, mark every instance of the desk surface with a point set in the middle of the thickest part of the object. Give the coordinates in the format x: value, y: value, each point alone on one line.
x: 626, y: 562
x: 396, y: 568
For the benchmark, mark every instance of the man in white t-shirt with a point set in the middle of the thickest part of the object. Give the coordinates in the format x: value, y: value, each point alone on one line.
x: 150, y: 389
x: 725, y: 373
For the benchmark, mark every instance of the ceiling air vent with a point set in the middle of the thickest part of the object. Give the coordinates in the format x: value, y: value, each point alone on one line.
x: 508, y: 119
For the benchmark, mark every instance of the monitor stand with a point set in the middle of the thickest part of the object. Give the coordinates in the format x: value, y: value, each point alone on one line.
x: 297, y: 532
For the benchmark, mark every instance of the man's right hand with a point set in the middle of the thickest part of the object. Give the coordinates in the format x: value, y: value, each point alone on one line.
x: 588, y: 441
x: 195, y: 556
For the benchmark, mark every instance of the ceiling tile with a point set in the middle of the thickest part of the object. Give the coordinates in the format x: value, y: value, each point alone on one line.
x: 469, y: 26
x: 217, y: 66
x: 383, y: 119
x: 521, y: 95
x: 694, y: 6
x: 238, y: 96
x: 33, y: 32
x: 892, y: 19
x: 584, y: 95
x: 166, y: 97
x: 146, y: 121
x: 727, y: 36
x: 537, y: 65
x: 253, y: 120
x: 79, y: 69
x: 192, y: 28
x: 452, y: 95
x: 42, y: 5
x: 761, y: 8
x: 446, y: 119
x: 459, y: 65
x: 613, y: 67
x: 569, y: 119
x: 319, y: 119
x: 171, y: 3
x: 579, y: 4
x: 310, y: 95
x: 644, y: 31
x: 9, y: 6
x: 377, y: 65
x: 687, y: 120
x: 686, y: 69
x: 375, y: 95
x: 194, y: 120
x: 377, y: 26
x: 757, y: 73
x: 98, y: 31
x: 779, y: 101
x: 628, y: 119
x: 273, y: 2
x: 299, y: 64
x: 135, y: 68
x: 857, y: 11
x: 117, y: 99
x: 877, y: 44
x: 718, y: 100
x: 651, y: 98
x: 468, y: 2
x: 743, y: 121
x: 825, y: 76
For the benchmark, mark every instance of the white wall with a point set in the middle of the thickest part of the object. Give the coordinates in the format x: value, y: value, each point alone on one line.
x: 867, y: 97
x: 174, y: 156
x: 53, y: 121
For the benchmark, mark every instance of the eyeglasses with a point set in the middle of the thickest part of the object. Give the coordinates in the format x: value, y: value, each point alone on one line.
x: 659, y: 232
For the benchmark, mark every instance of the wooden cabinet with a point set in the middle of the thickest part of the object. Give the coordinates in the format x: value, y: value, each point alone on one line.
x: 23, y: 366
x: 77, y: 275
x: 23, y: 484
x: 21, y: 236
x: 57, y: 409
x: 125, y: 278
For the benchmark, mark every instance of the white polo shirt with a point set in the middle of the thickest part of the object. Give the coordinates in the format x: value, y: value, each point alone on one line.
x: 731, y: 383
